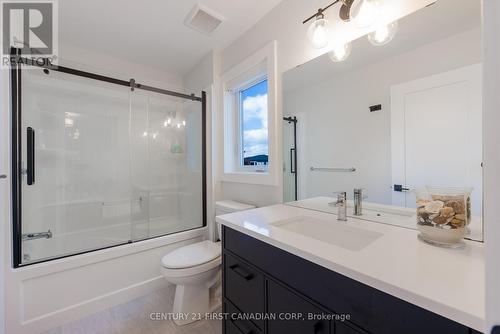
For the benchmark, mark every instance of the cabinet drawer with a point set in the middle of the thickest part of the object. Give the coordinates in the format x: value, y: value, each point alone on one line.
x: 244, y: 286
x: 293, y: 313
x: 234, y: 324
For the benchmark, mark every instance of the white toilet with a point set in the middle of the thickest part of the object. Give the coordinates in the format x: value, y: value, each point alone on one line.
x: 195, y: 269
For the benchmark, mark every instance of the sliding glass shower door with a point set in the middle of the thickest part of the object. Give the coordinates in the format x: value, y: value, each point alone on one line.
x: 166, y: 164
x: 79, y: 198
x: 101, y: 164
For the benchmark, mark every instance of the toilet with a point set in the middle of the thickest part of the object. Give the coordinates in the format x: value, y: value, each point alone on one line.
x: 195, y: 269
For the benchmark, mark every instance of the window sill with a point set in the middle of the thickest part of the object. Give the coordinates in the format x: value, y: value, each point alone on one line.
x: 262, y: 178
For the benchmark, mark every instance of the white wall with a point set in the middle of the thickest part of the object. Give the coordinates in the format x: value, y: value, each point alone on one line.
x: 491, y: 119
x: 201, y: 78
x: 89, y: 60
x: 46, y: 295
x: 284, y: 24
x: 337, y: 129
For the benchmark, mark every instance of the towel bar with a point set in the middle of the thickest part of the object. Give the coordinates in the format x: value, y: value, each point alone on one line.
x: 322, y: 169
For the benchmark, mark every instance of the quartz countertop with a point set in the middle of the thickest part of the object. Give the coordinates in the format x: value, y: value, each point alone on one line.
x: 448, y: 282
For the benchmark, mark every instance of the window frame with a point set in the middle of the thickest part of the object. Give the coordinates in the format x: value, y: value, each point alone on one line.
x: 258, y: 67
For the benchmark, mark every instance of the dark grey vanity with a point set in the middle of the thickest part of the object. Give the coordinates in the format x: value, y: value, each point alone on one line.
x: 268, y: 290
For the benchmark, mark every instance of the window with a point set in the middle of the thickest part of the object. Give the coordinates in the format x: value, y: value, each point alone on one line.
x: 254, y: 143
x: 249, y: 120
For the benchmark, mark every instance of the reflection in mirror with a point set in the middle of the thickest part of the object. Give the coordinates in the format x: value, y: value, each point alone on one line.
x: 390, y: 119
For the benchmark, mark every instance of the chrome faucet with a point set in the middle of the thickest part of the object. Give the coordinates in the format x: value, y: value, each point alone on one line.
x: 37, y: 235
x: 358, y: 201
x: 341, y: 203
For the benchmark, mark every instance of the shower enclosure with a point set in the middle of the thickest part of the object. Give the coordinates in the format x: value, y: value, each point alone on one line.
x: 99, y: 162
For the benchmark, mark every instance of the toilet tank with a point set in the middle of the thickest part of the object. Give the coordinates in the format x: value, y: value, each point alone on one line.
x: 224, y: 207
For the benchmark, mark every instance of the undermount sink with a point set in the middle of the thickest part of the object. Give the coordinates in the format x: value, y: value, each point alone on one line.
x: 332, y: 232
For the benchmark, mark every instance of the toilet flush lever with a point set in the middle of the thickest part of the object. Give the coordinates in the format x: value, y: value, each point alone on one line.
x: 3, y: 176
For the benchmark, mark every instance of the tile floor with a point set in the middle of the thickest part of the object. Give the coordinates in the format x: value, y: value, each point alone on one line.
x: 133, y: 318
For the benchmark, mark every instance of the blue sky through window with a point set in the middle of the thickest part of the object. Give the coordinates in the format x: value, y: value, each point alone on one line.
x: 254, y: 121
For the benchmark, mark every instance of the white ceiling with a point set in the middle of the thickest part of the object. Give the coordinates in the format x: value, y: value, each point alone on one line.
x: 433, y: 23
x: 152, y: 31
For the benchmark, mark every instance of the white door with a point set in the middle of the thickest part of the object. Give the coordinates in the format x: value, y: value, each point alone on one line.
x: 436, y: 134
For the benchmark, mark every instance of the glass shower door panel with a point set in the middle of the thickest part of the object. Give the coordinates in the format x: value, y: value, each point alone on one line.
x: 175, y: 165
x: 81, y: 190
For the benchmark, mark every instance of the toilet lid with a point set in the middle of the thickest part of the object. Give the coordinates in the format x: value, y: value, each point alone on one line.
x: 192, y: 255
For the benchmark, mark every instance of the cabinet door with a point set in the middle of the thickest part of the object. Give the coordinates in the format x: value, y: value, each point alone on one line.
x: 244, y: 287
x: 397, y: 316
x: 235, y: 323
x: 293, y: 314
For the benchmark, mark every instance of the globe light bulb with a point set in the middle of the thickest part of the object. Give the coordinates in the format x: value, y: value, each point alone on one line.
x: 364, y: 12
x: 340, y: 52
x: 317, y: 33
x: 383, y: 34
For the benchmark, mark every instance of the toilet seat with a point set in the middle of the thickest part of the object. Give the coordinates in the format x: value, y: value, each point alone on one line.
x: 192, y: 255
x: 192, y: 259
x: 192, y: 271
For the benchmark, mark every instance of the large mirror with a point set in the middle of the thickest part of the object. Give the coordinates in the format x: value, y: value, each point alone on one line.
x: 390, y: 119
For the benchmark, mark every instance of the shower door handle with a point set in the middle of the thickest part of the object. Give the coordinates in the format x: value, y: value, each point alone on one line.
x: 30, y: 149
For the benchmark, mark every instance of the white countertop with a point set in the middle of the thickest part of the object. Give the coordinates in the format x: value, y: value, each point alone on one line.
x: 449, y: 282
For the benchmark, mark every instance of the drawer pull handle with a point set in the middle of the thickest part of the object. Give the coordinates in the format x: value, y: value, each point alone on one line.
x: 318, y: 327
x: 241, y: 328
x: 241, y: 272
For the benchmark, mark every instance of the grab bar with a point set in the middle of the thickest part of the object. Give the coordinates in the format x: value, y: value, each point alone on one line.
x: 324, y: 169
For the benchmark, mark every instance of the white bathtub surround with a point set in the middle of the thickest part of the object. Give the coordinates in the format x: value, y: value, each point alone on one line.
x: 50, y: 294
x: 134, y: 317
x: 391, y: 259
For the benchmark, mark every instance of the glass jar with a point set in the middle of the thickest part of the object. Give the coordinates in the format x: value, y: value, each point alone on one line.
x: 443, y: 215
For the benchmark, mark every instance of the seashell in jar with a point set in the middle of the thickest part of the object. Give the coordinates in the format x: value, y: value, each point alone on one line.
x: 460, y: 216
x: 457, y: 205
x: 457, y: 223
x: 445, y: 198
x: 434, y: 206
x: 440, y: 220
x: 433, y: 215
x: 447, y: 212
x: 422, y: 202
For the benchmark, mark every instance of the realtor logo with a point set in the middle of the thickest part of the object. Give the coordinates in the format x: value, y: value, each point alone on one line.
x: 29, y: 26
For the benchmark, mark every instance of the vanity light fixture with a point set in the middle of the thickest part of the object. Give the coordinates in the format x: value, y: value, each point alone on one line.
x: 362, y: 12
x: 340, y: 52
x: 317, y: 33
x: 383, y: 34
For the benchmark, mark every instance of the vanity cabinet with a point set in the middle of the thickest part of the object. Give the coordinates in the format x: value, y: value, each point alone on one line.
x: 270, y: 291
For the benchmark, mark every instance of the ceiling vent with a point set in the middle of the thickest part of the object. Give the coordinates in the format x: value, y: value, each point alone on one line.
x: 203, y: 19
